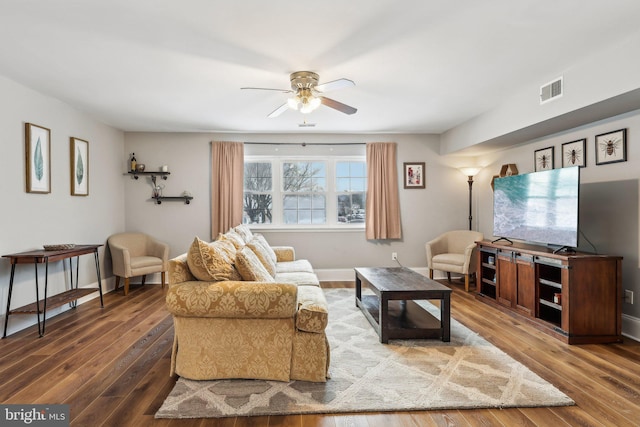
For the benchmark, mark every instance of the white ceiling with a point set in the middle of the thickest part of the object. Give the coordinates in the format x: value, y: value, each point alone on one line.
x: 420, y: 66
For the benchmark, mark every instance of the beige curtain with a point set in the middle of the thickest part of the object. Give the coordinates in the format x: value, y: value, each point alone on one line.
x: 227, y: 171
x: 383, y: 204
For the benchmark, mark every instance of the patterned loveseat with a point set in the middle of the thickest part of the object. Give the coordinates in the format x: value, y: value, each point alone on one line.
x: 242, y: 309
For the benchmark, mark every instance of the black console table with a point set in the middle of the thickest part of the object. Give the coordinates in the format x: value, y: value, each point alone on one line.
x: 70, y: 296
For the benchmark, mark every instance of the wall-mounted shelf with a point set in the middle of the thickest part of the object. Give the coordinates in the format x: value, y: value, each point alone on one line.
x: 153, y: 175
x: 186, y: 199
x: 159, y: 199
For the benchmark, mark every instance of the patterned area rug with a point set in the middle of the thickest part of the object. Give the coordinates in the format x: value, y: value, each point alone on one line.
x: 467, y: 372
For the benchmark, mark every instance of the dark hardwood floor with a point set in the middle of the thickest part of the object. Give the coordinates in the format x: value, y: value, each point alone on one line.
x: 111, y: 366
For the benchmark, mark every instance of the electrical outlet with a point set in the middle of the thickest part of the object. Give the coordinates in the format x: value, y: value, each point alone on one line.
x: 628, y: 296
x: 394, y: 256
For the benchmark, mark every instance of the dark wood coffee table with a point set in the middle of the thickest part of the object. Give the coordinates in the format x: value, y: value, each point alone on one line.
x: 392, y: 311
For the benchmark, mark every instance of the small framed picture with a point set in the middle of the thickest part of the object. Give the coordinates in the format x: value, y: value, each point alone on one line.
x: 611, y: 147
x: 574, y: 154
x: 414, y: 175
x: 79, y: 152
x: 543, y: 159
x: 38, y: 158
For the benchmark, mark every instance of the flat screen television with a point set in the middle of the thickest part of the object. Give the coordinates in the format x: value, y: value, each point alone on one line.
x: 539, y: 207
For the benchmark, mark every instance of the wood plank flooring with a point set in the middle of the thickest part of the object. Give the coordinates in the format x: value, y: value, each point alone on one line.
x: 111, y: 366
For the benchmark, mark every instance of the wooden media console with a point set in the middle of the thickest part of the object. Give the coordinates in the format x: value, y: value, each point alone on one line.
x: 576, y: 297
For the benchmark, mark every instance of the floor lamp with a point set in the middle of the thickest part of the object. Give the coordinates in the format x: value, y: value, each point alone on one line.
x: 470, y: 172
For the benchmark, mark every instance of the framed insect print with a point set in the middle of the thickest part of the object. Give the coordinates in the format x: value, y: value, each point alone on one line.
x: 79, y: 167
x: 38, y: 158
x: 611, y: 147
x: 543, y: 159
x: 574, y: 154
x: 414, y: 175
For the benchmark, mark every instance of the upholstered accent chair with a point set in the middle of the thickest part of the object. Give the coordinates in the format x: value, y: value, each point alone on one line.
x: 137, y: 254
x: 453, y: 252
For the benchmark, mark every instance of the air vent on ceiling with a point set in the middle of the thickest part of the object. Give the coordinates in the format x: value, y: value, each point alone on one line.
x: 551, y: 90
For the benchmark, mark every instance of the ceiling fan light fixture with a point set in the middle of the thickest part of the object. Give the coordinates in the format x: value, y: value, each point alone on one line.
x: 293, y: 102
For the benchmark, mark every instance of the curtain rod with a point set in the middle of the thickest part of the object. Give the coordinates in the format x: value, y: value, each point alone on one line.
x: 304, y: 144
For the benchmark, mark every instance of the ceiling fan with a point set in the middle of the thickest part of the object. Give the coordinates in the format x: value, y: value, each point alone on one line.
x: 308, y: 94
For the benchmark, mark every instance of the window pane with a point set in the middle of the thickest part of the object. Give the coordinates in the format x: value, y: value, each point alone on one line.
x: 290, y: 202
x: 257, y: 201
x: 319, y: 216
x: 304, y: 217
x: 304, y: 202
x: 358, y: 184
x: 342, y: 169
x: 342, y: 184
x: 319, y: 202
x: 290, y: 216
x: 257, y: 176
x: 357, y: 169
x: 319, y: 184
x: 351, y: 208
x: 304, y: 176
x: 257, y: 209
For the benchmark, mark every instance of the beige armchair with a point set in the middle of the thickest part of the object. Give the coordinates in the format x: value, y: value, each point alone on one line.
x: 137, y: 254
x: 453, y: 252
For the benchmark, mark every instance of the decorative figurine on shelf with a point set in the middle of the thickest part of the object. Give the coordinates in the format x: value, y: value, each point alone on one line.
x: 133, y: 162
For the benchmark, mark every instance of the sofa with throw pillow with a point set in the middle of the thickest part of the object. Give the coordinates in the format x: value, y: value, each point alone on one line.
x: 242, y: 309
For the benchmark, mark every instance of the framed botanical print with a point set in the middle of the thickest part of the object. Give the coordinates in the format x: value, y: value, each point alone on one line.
x: 543, y: 159
x: 79, y: 151
x: 574, y: 154
x: 611, y: 147
x: 414, y: 175
x: 37, y: 158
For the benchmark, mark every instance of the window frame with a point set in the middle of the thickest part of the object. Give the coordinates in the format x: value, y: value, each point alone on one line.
x: 331, y: 193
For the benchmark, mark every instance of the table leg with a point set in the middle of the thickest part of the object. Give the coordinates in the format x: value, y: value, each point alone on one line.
x: 72, y: 304
x: 35, y: 264
x: 383, y: 318
x: 46, y: 287
x: 6, y: 315
x: 358, y: 290
x: 97, y: 259
x: 445, y: 317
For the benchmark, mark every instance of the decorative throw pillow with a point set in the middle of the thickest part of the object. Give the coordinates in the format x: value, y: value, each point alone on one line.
x: 243, y: 230
x: 263, y: 255
x: 233, y: 237
x: 272, y: 254
x: 212, y: 262
x: 250, y: 267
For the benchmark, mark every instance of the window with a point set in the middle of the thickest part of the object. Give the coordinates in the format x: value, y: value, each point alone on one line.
x: 305, y: 192
x: 258, y: 193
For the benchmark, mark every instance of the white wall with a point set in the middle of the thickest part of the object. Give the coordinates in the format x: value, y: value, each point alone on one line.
x: 609, y: 203
x: 441, y: 206
x: 591, y: 81
x: 30, y: 220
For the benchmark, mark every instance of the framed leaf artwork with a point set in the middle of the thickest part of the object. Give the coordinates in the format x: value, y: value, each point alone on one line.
x: 37, y: 158
x: 79, y: 167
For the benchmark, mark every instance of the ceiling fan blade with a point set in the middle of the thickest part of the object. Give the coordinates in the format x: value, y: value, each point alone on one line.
x: 334, y: 84
x: 281, y: 109
x: 267, y: 88
x: 344, y: 108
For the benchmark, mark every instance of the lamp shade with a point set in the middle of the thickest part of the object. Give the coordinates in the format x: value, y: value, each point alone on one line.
x: 470, y: 171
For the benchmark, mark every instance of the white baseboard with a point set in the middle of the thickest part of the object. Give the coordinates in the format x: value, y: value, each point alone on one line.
x: 347, y: 274
x: 631, y: 327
